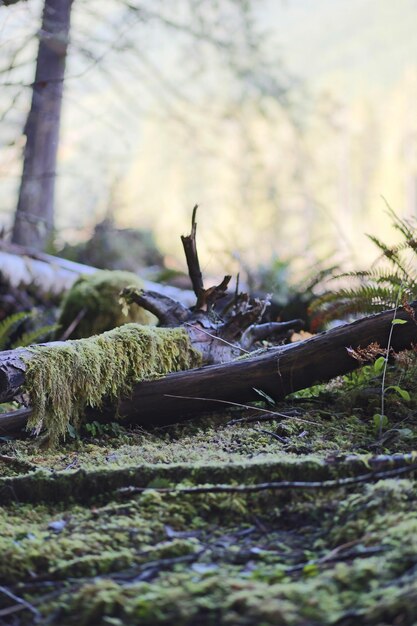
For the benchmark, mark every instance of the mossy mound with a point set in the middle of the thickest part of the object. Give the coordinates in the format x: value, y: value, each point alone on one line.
x: 96, y: 298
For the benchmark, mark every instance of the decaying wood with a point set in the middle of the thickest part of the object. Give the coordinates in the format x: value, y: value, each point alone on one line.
x: 277, y: 371
x: 218, y: 336
x: 21, y: 266
x: 14, y: 421
x: 206, y: 298
x: 190, y: 249
x: 218, y: 341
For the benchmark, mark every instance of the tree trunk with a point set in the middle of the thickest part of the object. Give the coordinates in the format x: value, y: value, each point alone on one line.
x: 34, y: 219
x: 278, y: 372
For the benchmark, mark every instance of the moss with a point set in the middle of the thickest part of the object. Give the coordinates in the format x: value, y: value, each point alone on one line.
x: 341, y: 556
x: 63, y: 380
x: 262, y: 563
x: 98, y: 296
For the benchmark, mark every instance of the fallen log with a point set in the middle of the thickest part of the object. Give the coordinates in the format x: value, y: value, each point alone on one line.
x: 277, y: 371
x: 20, y: 266
x: 61, y: 380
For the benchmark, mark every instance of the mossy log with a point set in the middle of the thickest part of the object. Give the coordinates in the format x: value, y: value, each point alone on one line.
x: 84, y: 486
x: 21, y: 266
x: 277, y: 371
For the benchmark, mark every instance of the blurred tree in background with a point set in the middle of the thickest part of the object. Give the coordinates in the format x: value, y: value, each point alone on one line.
x: 162, y: 100
x: 225, y: 27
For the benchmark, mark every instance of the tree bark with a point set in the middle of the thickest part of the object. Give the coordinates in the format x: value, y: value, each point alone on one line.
x: 277, y: 371
x: 34, y: 219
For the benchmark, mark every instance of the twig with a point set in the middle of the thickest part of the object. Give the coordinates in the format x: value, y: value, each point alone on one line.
x: 345, y: 556
x: 271, y: 434
x: 276, y: 486
x: 261, y: 418
x: 151, y: 568
x: 68, y: 332
x: 256, y: 408
x: 203, y: 330
x: 22, y: 604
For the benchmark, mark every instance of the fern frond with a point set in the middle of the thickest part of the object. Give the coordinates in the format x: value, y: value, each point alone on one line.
x: 395, y: 279
x: 9, y: 324
x: 404, y: 226
x: 367, y: 293
x: 39, y: 335
x: 387, y: 251
x: 379, y: 288
x: 318, y: 277
x: 365, y: 299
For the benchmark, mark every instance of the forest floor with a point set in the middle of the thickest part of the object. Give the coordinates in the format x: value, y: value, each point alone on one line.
x: 121, y: 527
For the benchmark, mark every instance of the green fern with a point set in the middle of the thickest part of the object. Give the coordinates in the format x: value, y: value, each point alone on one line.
x: 11, y: 335
x: 376, y: 289
x: 38, y: 335
x: 9, y: 325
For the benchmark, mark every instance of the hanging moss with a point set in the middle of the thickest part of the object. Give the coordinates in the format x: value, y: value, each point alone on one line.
x: 63, y: 380
x: 98, y: 296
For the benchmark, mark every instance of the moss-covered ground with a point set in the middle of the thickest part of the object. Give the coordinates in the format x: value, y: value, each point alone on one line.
x: 102, y: 531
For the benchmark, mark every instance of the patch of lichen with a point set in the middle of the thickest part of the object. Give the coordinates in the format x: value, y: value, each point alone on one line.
x: 96, y: 297
x: 63, y: 380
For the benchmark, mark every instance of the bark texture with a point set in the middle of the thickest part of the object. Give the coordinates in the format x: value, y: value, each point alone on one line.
x: 277, y: 371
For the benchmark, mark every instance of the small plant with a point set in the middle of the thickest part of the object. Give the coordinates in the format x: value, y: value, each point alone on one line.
x: 375, y: 289
x: 378, y: 370
x: 18, y: 331
x: 98, y: 429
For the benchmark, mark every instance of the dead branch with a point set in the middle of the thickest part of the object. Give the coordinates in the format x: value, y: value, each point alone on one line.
x: 168, y: 311
x: 337, y: 483
x: 89, y: 485
x: 206, y: 298
x: 259, y: 332
x: 21, y: 266
x: 190, y: 250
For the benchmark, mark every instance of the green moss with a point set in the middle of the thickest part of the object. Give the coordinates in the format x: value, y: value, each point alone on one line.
x: 195, y: 559
x: 97, y: 295
x: 275, y: 558
x: 63, y: 380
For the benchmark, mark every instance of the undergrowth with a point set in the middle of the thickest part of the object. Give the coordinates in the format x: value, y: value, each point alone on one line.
x: 375, y: 289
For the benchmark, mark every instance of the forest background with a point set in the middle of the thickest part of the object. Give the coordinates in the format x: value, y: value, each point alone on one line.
x: 147, y: 134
